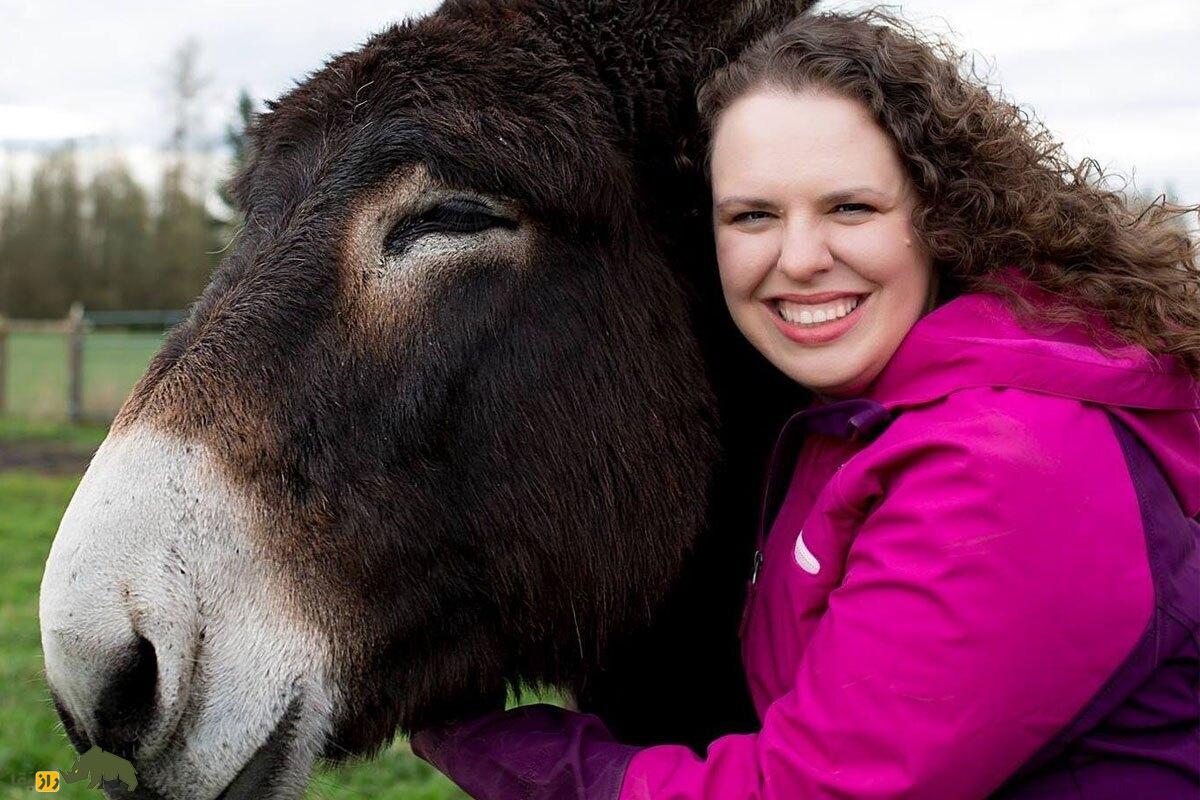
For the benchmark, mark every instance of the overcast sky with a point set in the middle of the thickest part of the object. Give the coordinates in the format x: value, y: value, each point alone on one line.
x: 1115, y: 79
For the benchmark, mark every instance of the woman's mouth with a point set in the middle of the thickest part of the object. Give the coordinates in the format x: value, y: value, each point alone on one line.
x: 817, y: 323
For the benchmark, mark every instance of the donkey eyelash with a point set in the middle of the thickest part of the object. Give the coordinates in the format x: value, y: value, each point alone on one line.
x: 454, y: 216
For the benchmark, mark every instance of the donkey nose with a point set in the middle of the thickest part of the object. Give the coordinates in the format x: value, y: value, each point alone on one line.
x: 119, y: 610
x: 118, y: 706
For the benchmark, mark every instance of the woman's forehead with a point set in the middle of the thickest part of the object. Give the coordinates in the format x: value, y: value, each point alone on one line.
x: 785, y: 139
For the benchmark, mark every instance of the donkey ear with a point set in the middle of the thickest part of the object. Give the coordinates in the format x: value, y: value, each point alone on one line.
x: 731, y: 24
x: 651, y: 54
x: 684, y: 24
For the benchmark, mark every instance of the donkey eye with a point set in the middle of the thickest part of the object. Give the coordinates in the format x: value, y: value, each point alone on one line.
x: 461, y: 216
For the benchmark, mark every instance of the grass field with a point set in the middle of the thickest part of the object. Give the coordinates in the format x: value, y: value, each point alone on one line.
x: 31, y: 738
x: 37, y: 372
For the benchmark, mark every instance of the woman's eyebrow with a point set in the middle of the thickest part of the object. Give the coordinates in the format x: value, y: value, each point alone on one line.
x: 746, y: 202
x: 843, y: 195
x: 830, y: 198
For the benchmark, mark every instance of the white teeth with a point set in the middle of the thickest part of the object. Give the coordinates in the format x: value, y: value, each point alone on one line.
x: 802, y: 314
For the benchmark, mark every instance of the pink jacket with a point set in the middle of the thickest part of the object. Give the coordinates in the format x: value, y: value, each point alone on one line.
x: 980, y: 579
x: 934, y: 606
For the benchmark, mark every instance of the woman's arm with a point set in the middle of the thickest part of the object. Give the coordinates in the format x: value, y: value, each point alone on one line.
x: 998, y: 580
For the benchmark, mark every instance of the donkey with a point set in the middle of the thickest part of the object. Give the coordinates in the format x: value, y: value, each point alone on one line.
x: 462, y: 410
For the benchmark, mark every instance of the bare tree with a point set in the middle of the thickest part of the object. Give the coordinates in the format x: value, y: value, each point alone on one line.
x: 185, y: 88
x: 185, y: 235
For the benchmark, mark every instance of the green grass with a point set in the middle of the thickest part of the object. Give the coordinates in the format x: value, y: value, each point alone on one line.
x: 32, y: 431
x: 31, y: 737
x: 37, y: 372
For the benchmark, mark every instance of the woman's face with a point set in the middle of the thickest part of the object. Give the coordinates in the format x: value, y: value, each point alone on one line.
x: 813, y: 212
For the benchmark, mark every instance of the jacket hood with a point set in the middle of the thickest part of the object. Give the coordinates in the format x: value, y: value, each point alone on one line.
x: 976, y: 340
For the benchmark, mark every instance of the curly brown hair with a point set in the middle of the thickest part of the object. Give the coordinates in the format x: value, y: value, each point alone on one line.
x: 995, y: 189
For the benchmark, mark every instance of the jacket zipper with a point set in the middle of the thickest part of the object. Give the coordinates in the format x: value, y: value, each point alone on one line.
x: 761, y: 540
x: 772, y: 469
x: 750, y: 590
x: 761, y: 537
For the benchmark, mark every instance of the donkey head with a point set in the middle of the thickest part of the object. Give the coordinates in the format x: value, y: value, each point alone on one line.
x: 440, y: 424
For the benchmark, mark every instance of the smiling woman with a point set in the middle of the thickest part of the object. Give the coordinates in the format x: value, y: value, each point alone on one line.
x: 977, y: 571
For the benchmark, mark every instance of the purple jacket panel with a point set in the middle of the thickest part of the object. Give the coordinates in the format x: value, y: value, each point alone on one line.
x: 536, y: 751
x: 1140, y: 736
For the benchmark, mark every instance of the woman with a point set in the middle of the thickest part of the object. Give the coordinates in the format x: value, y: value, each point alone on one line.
x: 978, y: 572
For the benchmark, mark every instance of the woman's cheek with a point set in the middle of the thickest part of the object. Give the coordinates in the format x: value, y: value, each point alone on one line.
x: 881, y: 252
x: 743, y: 262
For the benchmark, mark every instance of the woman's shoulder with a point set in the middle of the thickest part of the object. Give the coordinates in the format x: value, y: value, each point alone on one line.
x: 999, y: 476
x: 1003, y: 420
x: 1003, y: 443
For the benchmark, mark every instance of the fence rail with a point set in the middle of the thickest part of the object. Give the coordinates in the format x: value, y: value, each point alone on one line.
x: 135, y: 319
x: 79, y: 367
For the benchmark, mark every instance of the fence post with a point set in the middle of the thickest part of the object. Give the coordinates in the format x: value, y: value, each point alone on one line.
x: 3, y: 362
x: 75, y: 363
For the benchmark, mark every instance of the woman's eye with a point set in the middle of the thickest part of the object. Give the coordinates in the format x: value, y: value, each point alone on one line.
x: 852, y: 208
x: 455, y: 216
x: 750, y: 216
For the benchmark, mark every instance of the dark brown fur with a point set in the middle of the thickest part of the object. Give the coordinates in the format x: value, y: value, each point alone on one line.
x: 497, y: 483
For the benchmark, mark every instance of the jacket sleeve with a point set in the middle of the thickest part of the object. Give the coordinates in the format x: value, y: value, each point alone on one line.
x: 536, y: 752
x: 998, y: 577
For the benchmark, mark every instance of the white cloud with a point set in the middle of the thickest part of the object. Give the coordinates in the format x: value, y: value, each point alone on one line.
x: 106, y: 62
x: 37, y: 123
x: 1116, y: 80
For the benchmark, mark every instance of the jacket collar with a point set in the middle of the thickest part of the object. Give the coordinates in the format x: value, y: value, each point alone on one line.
x: 975, y: 340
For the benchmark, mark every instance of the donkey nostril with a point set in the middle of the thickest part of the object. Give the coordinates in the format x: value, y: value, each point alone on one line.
x: 127, y: 705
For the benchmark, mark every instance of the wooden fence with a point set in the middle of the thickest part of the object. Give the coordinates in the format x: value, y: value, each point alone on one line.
x: 75, y: 327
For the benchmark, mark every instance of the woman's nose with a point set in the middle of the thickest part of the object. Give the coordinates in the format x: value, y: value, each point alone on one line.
x: 804, y: 252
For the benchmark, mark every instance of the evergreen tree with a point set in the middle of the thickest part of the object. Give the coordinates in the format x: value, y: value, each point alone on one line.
x: 235, y: 138
x: 70, y: 258
x: 9, y: 210
x: 43, y: 246
x: 184, y: 242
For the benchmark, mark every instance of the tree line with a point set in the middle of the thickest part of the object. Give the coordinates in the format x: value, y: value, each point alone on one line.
x: 109, y: 242
x: 112, y: 244
x: 105, y: 243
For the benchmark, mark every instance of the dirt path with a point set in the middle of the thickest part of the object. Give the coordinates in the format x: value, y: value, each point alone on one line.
x: 55, y: 458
